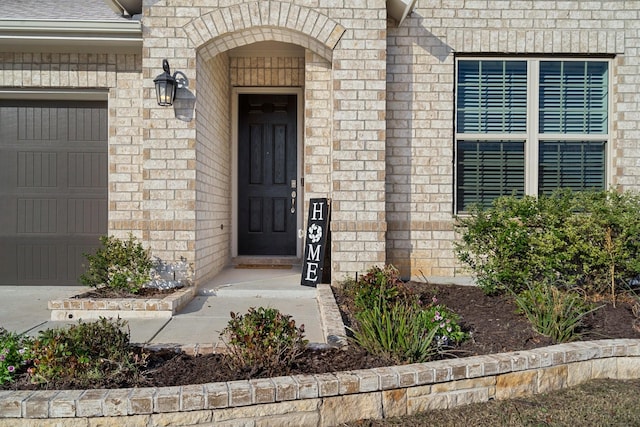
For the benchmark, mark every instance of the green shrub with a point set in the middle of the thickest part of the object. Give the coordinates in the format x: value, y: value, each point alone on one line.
x: 263, y: 340
x: 398, y: 332
x: 392, y: 323
x: 118, y: 264
x: 15, y: 354
x: 589, y: 239
x: 445, y: 323
x: 377, y: 283
x: 85, y: 353
x: 607, y: 240
x: 553, y: 312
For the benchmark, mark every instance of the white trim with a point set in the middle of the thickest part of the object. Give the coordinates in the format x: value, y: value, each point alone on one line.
x: 532, y: 151
x: 55, y: 94
x: 83, y: 27
x: 234, y: 157
x: 71, y: 36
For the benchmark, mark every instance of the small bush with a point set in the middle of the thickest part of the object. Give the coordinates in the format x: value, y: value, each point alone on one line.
x: 122, y: 265
x: 445, y: 323
x: 83, y: 354
x: 15, y: 354
x: 589, y: 239
x: 398, y: 332
x: 378, y: 283
x: 554, y: 313
x: 391, y: 323
x: 263, y: 340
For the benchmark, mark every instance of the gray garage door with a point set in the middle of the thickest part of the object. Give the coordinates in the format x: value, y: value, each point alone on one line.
x: 53, y: 189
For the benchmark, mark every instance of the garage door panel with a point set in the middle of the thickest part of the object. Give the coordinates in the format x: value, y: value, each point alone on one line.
x: 84, y: 122
x: 37, y: 216
x: 87, y: 170
x: 53, y: 195
x: 44, y: 261
x: 37, y: 262
x: 37, y: 123
x: 87, y: 216
x: 86, y: 125
x: 37, y: 169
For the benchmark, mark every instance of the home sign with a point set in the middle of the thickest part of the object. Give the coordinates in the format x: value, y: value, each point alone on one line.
x: 315, y: 242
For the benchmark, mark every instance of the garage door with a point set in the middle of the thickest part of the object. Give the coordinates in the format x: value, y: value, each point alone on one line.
x: 53, y: 189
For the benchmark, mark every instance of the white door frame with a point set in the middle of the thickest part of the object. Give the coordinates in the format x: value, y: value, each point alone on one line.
x: 235, y: 92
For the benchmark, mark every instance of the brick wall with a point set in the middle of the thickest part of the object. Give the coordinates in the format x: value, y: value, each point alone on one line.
x: 358, y: 222
x: 169, y: 138
x: 213, y: 163
x: 420, y: 101
x: 267, y: 71
x: 318, y: 109
x: 120, y: 76
x: 378, y: 114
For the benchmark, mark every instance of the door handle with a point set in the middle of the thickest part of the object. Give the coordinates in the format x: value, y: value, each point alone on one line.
x: 293, y: 202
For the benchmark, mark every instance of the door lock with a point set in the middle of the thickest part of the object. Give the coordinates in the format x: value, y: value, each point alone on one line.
x: 293, y: 201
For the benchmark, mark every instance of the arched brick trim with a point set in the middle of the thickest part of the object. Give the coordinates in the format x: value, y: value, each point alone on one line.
x: 246, y: 23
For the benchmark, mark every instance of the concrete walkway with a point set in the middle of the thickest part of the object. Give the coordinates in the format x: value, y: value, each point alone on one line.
x: 23, y: 309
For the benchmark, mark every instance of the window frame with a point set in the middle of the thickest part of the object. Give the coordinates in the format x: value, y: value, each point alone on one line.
x: 532, y: 136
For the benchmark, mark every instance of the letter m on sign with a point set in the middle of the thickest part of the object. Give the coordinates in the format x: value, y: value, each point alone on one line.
x: 316, y: 242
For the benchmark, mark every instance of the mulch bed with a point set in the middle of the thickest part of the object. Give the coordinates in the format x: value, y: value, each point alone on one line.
x: 144, y: 293
x: 492, y: 322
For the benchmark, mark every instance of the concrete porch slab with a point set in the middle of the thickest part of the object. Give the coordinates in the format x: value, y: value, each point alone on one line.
x: 24, y: 309
x: 202, y: 320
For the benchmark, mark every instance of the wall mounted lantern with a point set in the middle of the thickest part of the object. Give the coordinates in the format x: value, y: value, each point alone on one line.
x: 166, y: 84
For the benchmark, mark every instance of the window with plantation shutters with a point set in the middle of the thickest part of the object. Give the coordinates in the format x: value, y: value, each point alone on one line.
x: 573, y: 97
x: 492, y: 96
x: 572, y: 120
x: 489, y: 169
x: 577, y: 165
x: 529, y: 126
x: 491, y: 106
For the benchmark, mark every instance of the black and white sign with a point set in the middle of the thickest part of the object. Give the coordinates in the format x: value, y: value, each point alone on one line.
x: 316, y: 238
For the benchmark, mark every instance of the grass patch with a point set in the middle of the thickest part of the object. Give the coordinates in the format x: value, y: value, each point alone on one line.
x: 595, y: 403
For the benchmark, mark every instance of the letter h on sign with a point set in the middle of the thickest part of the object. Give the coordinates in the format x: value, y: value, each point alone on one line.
x: 315, y: 242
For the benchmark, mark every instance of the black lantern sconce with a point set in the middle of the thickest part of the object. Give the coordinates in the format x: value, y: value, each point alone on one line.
x: 166, y: 84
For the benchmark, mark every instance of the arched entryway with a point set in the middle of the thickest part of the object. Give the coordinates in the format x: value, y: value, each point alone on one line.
x: 257, y: 160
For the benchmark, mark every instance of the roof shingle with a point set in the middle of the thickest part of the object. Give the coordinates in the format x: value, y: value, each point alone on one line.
x: 81, y: 10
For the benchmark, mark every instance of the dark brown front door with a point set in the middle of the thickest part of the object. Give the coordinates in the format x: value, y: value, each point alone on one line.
x: 267, y: 174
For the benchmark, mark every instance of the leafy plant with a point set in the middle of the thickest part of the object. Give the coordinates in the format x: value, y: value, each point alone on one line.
x: 608, y: 240
x: 553, y: 312
x: 15, y: 354
x: 394, y: 324
x: 589, y: 239
x: 263, y: 340
x: 378, y: 283
x: 445, y: 323
x: 398, y: 332
x: 84, y: 353
x: 118, y: 264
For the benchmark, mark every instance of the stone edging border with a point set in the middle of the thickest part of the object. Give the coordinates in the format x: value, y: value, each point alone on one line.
x: 320, y: 400
x: 125, y: 308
